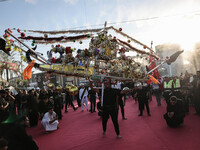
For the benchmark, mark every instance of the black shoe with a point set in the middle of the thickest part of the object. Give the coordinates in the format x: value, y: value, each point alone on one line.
x: 149, y: 114
x: 140, y: 115
x: 94, y: 111
x: 75, y: 109
x: 124, y: 118
x: 66, y: 111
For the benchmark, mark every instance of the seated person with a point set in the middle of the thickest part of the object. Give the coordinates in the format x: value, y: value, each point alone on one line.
x: 50, y: 120
x: 175, y: 112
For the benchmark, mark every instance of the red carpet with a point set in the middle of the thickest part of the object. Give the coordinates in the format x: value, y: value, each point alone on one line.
x: 83, y: 131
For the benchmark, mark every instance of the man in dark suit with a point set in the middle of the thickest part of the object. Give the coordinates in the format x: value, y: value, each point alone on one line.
x: 175, y: 112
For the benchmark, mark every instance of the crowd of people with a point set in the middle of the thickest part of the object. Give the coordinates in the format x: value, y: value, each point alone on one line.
x: 47, y: 105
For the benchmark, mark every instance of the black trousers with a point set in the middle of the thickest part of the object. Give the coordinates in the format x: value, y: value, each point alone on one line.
x: 143, y: 103
x: 197, y: 104
x: 33, y: 118
x: 58, y: 111
x: 113, y: 112
x: 174, y: 121
x: 69, y: 102
x: 92, y: 104
x: 121, y: 104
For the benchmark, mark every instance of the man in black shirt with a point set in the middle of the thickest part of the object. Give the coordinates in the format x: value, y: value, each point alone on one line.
x: 175, y: 112
x: 32, y: 107
x: 68, y: 101
x: 110, y: 107
x: 92, y: 97
x: 143, y: 95
x: 4, y: 111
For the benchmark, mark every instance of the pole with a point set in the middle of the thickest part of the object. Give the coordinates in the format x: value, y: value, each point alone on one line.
x: 27, y: 47
x: 102, y: 92
x: 156, y: 67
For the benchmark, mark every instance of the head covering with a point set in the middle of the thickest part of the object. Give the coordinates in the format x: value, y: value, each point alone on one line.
x: 59, y: 87
x: 30, y: 90
x: 37, y: 88
x: 51, y: 85
x: 82, y: 84
x: 125, y: 88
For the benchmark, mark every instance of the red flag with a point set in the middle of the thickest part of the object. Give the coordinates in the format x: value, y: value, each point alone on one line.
x: 152, y: 65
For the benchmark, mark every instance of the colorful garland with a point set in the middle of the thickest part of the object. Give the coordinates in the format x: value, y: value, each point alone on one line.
x: 68, y: 31
x: 46, y: 40
x: 137, y: 50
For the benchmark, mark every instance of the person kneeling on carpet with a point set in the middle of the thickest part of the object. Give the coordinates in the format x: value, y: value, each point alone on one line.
x: 175, y: 112
x: 50, y: 120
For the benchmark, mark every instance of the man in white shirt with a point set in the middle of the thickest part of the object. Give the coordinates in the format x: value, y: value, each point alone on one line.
x: 83, y: 93
x: 50, y: 120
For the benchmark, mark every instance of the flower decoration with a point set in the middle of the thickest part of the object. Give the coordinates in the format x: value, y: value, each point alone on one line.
x: 122, y: 50
x: 96, y: 51
x: 33, y: 43
x: 22, y: 34
x: 68, y: 50
x: 86, y: 52
x: 120, y: 29
x: 53, y: 60
x: 6, y: 35
x: 45, y: 35
x: 18, y: 30
x: 9, y: 30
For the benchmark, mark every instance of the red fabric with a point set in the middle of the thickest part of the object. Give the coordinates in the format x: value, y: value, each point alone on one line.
x: 155, y: 73
x: 83, y: 131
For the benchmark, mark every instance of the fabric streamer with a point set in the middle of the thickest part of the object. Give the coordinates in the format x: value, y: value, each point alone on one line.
x: 154, y: 80
x: 27, y: 74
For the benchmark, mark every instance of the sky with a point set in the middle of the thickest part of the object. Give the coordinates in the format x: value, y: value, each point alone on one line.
x: 160, y: 21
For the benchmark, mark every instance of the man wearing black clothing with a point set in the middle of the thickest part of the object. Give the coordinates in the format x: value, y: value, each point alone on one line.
x: 175, y: 112
x: 196, y: 89
x: 143, y: 95
x: 58, y: 102
x: 44, y: 105
x: 32, y: 107
x: 92, y: 98
x: 110, y: 107
x: 121, y: 104
x: 68, y: 101
x: 4, y: 111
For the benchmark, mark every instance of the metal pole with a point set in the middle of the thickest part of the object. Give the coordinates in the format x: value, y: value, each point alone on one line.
x: 32, y: 56
x: 102, y: 92
x: 156, y: 67
x: 27, y: 47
